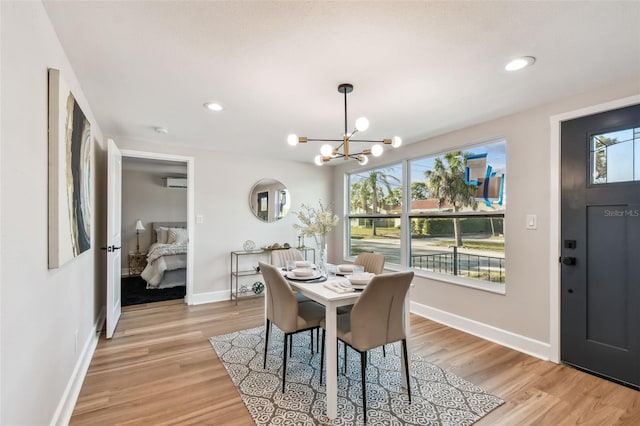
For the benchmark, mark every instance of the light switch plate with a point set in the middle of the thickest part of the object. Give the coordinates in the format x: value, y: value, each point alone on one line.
x: 532, y: 221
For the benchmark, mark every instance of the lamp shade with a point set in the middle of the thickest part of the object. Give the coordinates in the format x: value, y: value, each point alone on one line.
x: 139, y: 226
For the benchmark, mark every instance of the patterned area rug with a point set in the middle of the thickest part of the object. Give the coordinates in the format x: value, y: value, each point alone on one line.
x: 438, y: 397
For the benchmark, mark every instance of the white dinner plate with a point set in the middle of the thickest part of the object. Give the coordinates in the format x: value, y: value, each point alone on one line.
x: 346, y: 268
x: 303, y: 272
x: 361, y: 279
x: 292, y: 275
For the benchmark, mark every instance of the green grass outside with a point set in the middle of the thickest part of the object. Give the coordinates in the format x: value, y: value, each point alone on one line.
x: 477, y: 245
x: 383, y: 233
x: 494, y: 277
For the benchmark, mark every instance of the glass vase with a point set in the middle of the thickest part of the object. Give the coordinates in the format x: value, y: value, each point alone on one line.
x: 321, y: 247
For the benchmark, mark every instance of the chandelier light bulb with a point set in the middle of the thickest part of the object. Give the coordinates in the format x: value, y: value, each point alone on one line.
x: 362, y: 124
x: 396, y: 141
x: 363, y: 159
x: 318, y: 160
x: 292, y: 139
x: 326, y: 150
x: 376, y: 150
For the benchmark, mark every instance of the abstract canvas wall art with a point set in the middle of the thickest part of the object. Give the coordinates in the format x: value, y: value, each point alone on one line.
x: 69, y: 174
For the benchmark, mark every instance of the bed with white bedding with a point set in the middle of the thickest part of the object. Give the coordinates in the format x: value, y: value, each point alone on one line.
x: 167, y: 256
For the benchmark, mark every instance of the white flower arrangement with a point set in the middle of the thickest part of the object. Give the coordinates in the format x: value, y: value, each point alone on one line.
x: 314, y: 222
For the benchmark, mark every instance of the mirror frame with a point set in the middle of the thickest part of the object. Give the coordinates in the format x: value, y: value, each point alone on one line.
x: 269, y: 200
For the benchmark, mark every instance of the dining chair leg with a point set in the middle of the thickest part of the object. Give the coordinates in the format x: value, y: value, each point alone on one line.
x: 267, y: 331
x: 290, y: 345
x: 322, y: 356
x: 384, y: 351
x: 344, y: 345
x: 406, y: 368
x: 287, y: 338
x: 363, y: 372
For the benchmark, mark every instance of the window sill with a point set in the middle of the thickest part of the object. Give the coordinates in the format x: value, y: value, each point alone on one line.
x: 460, y: 281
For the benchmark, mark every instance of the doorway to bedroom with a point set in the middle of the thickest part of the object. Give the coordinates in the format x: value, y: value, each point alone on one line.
x: 154, y: 230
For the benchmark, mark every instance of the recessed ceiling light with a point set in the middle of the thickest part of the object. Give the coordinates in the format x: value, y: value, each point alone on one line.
x: 162, y: 130
x: 213, y: 106
x: 519, y: 63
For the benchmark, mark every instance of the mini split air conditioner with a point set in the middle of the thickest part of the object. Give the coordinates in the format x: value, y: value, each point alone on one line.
x: 176, y: 182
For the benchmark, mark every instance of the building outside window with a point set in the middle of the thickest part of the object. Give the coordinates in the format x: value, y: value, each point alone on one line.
x: 452, y: 222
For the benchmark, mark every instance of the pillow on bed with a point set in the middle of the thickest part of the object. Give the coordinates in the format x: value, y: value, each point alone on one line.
x: 177, y: 236
x: 162, y: 234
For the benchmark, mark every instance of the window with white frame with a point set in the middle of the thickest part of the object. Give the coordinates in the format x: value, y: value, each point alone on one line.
x: 449, y: 214
x: 375, y: 209
x: 456, y: 213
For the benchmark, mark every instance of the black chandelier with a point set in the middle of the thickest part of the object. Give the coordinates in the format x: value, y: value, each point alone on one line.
x: 343, y: 150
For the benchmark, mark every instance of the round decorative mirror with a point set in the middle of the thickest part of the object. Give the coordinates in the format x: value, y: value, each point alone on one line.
x: 269, y: 200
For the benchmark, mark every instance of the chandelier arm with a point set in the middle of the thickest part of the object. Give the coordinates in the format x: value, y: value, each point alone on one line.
x: 342, y: 140
x: 365, y: 140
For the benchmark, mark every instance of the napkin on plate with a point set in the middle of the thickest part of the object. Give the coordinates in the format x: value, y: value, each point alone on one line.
x: 339, y: 286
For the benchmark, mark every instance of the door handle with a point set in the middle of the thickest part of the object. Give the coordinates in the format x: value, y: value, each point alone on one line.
x: 568, y: 260
x: 110, y: 248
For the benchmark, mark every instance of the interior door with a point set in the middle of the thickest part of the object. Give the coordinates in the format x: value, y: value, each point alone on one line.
x: 114, y: 206
x: 600, y: 231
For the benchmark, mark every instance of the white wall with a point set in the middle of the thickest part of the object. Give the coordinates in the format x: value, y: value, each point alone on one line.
x: 145, y: 196
x: 522, y: 314
x: 222, y: 183
x: 41, y: 309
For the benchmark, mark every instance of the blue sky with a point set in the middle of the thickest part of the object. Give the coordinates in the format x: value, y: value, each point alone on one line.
x: 496, y: 158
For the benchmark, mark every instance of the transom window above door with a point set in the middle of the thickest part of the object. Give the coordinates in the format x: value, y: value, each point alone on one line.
x: 615, y: 156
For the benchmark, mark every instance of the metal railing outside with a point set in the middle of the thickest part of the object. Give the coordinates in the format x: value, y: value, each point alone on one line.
x: 487, y: 268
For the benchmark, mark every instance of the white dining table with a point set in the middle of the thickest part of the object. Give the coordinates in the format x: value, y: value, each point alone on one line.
x: 331, y: 301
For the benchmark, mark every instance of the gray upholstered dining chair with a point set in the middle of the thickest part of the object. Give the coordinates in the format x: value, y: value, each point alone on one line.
x: 284, y: 310
x: 279, y: 260
x: 279, y: 257
x: 372, y: 262
x: 377, y: 318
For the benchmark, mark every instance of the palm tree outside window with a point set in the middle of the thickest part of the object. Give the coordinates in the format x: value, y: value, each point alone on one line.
x: 450, y: 213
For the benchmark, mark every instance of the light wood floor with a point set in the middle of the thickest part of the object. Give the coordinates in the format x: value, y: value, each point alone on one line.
x: 159, y: 369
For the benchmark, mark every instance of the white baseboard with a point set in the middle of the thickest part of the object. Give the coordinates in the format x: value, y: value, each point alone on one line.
x: 63, y: 413
x: 506, y: 338
x: 209, y: 297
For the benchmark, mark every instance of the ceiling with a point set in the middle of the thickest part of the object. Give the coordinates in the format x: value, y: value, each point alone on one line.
x: 419, y: 68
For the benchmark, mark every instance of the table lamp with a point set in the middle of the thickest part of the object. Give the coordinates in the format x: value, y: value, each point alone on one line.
x: 139, y: 228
